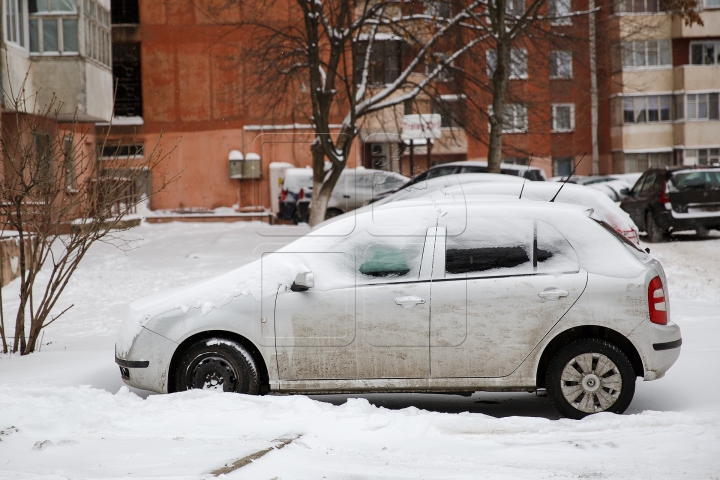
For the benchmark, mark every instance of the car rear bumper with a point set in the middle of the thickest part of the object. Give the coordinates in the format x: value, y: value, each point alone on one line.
x: 669, y: 219
x: 658, y: 346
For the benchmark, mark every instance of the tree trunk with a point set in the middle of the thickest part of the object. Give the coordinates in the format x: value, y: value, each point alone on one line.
x: 497, y: 119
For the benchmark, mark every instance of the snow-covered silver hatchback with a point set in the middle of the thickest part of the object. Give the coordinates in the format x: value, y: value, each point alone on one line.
x: 421, y: 296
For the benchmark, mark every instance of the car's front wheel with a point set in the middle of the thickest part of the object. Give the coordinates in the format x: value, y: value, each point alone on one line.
x: 590, y: 376
x: 217, y: 364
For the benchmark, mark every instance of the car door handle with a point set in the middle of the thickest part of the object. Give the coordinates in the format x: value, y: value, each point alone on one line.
x: 409, y: 301
x: 552, y: 294
x: 346, y: 196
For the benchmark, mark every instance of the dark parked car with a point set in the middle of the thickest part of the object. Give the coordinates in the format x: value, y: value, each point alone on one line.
x: 666, y: 200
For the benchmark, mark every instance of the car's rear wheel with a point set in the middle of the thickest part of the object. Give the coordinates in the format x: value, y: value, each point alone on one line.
x: 590, y: 376
x: 217, y: 364
x: 655, y: 234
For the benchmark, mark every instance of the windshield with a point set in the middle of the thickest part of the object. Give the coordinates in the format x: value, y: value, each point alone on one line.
x: 702, y: 179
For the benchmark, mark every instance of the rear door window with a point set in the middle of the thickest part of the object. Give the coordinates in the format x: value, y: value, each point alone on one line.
x: 519, y: 246
x: 647, y: 185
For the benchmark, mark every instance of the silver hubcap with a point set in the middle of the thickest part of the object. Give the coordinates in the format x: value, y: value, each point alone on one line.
x: 591, y: 382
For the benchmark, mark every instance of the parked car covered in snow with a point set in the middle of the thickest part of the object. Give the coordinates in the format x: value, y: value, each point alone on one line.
x: 457, y: 186
x: 355, y: 188
x: 421, y: 296
x: 671, y: 200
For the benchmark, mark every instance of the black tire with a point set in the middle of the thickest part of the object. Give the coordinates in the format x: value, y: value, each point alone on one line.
x: 332, y: 212
x: 596, y: 386
x: 217, y: 363
x: 655, y: 234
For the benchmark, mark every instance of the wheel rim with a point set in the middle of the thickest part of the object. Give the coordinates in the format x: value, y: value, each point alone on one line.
x: 213, y: 373
x: 591, y: 383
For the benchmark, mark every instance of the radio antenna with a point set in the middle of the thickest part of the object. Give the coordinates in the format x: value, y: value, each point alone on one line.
x: 568, y: 178
x: 525, y: 180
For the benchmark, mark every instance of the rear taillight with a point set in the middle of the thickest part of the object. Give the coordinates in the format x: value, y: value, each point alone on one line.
x: 302, y: 194
x: 656, y: 302
x: 664, y: 197
x: 283, y: 195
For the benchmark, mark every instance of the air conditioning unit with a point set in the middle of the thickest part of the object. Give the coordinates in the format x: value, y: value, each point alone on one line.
x: 244, y: 166
x: 380, y: 156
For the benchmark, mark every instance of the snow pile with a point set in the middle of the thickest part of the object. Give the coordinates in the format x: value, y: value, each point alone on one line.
x: 85, y: 432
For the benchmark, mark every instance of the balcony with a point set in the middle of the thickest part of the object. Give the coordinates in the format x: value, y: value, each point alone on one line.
x: 697, y: 133
x: 697, y: 77
x: 646, y: 136
x: 711, y: 19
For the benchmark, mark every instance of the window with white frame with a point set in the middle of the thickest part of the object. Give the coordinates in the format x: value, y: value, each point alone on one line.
x: 560, y: 11
x: 701, y: 156
x: 646, y: 109
x: 639, y: 162
x: 705, y: 53
x: 561, y: 64
x: 701, y: 106
x: 515, y: 7
x: 15, y: 22
x: 641, y: 6
x: 97, y: 32
x: 563, y: 117
x: 518, y: 63
x: 515, y: 120
x: 439, y: 60
x: 646, y: 54
x: 53, y: 27
x: 562, y: 166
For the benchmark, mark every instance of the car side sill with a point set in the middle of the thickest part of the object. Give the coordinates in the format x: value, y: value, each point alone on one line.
x: 667, y: 345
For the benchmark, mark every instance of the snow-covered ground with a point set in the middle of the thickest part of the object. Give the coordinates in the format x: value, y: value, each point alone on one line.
x: 64, y: 412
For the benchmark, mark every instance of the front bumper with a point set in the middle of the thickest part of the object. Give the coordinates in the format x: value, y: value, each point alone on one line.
x: 658, y: 346
x: 146, y: 365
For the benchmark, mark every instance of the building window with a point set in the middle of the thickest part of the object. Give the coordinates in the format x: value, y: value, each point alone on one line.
x: 646, y: 109
x: 563, y: 117
x: 15, y: 22
x: 128, y: 80
x: 561, y: 64
x: 515, y: 7
x: 515, y: 120
x: 451, y: 109
x: 705, y: 53
x: 640, y: 6
x: 53, y: 26
x: 560, y: 10
x: 712, y: 3
x: 562, y: 166
x: 701, y: 106
x: 97, y: 32
x: 701, y: 156
x: 438, y: 8
x: 384, y: 66
x: 439, y: 59
x: 645, y: 54
x: 125, y: 12
x: 517, y: 67
x: 120, y: 150
x: 639, y: 162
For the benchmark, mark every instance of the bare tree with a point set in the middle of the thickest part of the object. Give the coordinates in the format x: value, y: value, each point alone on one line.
x: 508, y: 22
x: 59, y: 200
x: 322, y: 65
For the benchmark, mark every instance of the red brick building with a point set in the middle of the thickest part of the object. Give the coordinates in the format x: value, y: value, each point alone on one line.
x: 180, y: 73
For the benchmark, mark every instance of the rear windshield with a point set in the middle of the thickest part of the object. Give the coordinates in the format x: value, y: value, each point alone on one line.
x: 618, y: 235
x: 703, y: 179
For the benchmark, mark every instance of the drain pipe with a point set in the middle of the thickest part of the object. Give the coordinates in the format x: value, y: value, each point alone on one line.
x: 594, y: 92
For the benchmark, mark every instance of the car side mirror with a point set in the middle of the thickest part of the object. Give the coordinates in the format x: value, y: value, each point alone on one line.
x: 303, y: 281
